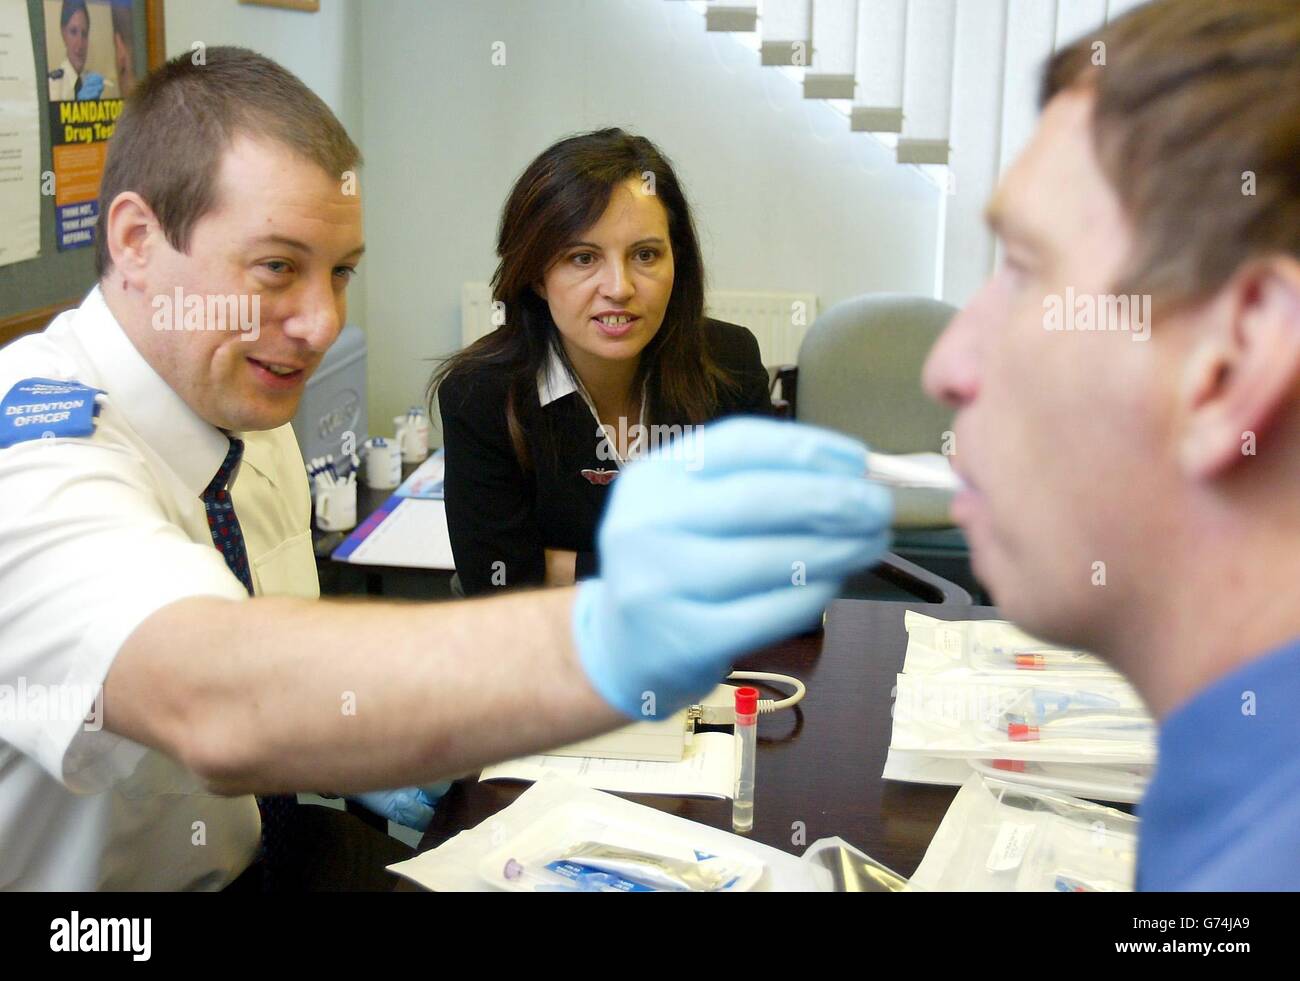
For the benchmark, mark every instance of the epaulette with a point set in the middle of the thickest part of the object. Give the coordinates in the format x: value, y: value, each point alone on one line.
x: 42, y: 408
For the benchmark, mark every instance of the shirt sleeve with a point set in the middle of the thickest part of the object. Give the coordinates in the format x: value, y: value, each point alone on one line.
x: 87, y: 554
x: 491, y: 513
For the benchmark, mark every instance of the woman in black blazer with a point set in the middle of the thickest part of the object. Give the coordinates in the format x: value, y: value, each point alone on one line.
x: 603, y: 353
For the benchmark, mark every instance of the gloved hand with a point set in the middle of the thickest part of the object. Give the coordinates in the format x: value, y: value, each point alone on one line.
x: 409, y: 806
x: 708, y: 558
x: 92, y: 86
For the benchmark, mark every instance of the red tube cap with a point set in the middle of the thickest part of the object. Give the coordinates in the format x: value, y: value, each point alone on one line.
x: 746, y: 701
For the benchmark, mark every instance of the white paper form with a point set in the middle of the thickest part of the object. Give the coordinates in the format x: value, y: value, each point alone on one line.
x: 413, y: 536
x: 20, y: 138
x: 707, y: 769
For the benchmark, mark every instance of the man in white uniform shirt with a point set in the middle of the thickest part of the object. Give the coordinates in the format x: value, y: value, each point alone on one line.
x: 90, y: 575
x: 151, y: 485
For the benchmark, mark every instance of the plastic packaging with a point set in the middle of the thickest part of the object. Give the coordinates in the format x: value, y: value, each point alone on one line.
x: 1008, y: 718
x: 571, y: 851
x: 847, y: 869
x: 998, y: 837
x: 1123, y: 783
x: 987, y: 646
x: 609, y: 868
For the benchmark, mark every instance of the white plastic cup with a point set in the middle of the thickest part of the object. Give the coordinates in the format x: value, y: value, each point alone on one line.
x: 336, y: 507
x: 383, y: 460
x: 413, y: 437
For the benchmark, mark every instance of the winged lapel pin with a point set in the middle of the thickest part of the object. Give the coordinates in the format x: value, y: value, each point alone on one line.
x: 601, y: 478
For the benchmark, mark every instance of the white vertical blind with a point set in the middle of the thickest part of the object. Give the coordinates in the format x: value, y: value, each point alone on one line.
x: 959, y: 80
x: 785, y: 29
x: 1030, y: 38
x: 1031, y: 30
x: 834, y: 38
x: 1118, y: 8
x: 979, y: 56
x: 1074, y: 18
x: 731, y: 15
x: 927, y: 81
x: 878, y: 104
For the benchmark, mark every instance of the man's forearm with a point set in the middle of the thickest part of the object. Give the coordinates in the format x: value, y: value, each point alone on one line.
x: 280, y: 694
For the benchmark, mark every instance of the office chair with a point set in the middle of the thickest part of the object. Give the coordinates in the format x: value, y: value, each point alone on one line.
x: 859, y: 372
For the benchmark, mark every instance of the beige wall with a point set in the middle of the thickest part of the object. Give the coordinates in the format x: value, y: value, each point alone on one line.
x: 785, y: 197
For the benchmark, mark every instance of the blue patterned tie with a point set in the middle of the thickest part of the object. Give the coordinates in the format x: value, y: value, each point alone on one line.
x: 222, y: 523
x: 278, y: 812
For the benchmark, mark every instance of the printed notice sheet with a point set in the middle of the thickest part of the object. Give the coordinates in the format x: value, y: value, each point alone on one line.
x: 20, y: 138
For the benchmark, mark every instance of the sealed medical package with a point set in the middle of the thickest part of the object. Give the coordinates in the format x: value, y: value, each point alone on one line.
x: 984, y: 696
x: 998, y: 837
x: 575, y: 848
x: 1011, y: 718
x: 1123, y: 783
x: 984, y: 646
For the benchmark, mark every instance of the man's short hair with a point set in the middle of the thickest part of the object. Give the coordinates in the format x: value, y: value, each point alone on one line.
x: 172, y: 136
x: 1197, y: 127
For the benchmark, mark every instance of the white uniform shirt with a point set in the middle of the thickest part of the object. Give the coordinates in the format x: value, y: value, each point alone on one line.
x: 96, y: 534
x: 64, y: 87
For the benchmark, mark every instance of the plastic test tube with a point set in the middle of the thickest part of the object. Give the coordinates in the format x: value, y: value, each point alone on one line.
x: 742, y: 806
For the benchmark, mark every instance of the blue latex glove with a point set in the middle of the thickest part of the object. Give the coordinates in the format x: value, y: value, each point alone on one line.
x: 700, y: 558
x: 409, y: 806
x: 92, y: 86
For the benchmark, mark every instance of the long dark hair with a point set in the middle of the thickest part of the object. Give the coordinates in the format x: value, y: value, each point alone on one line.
x: 560, y: 195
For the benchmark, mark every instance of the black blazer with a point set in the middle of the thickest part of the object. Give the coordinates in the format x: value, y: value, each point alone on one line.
x: 498, y: 513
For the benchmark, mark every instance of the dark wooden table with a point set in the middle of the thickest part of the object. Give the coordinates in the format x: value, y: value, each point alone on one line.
x: 819, y: 766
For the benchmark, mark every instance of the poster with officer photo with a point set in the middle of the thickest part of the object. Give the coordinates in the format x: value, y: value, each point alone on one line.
x: 90, y: 52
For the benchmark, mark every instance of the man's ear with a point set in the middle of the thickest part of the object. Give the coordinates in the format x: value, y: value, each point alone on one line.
x: 132, y: 234
x: 1245, y: 375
